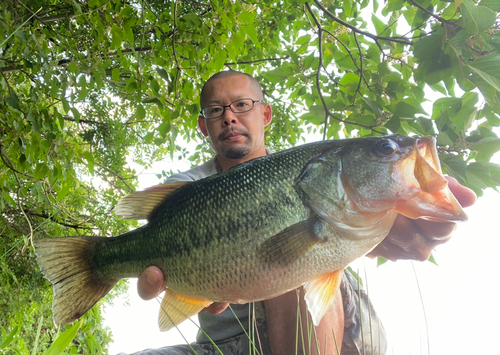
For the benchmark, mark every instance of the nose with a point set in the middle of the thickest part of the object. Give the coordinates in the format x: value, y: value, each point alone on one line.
x: 229, y: 117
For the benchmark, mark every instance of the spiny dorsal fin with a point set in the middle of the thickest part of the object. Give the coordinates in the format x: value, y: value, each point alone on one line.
x: 176, y: 308
x: 141, y: 204
x: 291, y: 243
x: 320, y: 293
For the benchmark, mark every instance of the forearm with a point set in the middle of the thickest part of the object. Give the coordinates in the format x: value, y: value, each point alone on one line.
x: 281, y: 316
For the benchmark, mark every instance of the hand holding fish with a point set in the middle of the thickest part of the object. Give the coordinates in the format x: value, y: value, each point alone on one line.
x: 415, y: 239
x: 152, y: 282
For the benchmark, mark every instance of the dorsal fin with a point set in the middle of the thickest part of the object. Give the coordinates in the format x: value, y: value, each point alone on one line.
x: 141, y: 204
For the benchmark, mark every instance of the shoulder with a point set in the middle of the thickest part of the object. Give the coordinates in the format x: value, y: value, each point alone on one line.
x: 200, y: 172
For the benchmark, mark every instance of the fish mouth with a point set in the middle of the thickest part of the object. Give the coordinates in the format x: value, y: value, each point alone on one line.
x: 429, y: 196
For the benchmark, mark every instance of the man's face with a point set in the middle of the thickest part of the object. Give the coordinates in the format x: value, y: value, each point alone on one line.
x: 235, y: 136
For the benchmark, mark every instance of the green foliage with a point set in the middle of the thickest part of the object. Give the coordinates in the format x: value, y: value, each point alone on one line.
x: 88, y: 87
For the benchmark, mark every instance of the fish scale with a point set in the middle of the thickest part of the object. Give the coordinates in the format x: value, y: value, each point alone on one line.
x: 258, y: 230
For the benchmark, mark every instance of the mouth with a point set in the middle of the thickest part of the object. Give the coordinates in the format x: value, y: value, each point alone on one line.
x: 232, y: 135
x: 432, y: 199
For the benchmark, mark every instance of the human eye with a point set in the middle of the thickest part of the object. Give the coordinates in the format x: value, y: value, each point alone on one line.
x: 215, y: 109
x: 242, y: 104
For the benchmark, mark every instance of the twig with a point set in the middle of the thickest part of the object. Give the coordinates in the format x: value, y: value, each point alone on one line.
x: 258, y: 60
x: 318, y: 87
x: 401, y: 40
x: 360, y: 69
x: 64, y: 62
x: 320, y: 65
x: 22, y: 210
x: 115, y: 174
x: 173, y: 36
x: 345, y: 47
x: 10, y: 166
x: 46, y: 216
x: 430, y: 13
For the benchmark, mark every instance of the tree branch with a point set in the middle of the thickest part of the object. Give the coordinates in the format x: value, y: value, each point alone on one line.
x: 9, y: 164
x: 318, y: 87
x: 71, y: 119
x: 66, y: 61
x: 320, y: 65
x: 401, y: 40
x: 115, y: 174
x: 430, y: 13
x: 258, y: 61
x: 46, y: 216
x: 360, y: 69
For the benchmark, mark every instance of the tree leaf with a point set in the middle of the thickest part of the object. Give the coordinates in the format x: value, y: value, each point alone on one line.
x: 141, y: 112
x: 90, y: 161
x: 488, y: 68
x: 252, y: 33
x: 276, y: 76
x: 455, y: 167
x: 476, y: 18
x: 63, y: 340
x: 163, y: 73
x: 13, y: 100
x: 488, y: 145
x: 492, y: 4
x: 246, y: 17
x: 379, y: 25
x: 115, y: 74
x: 478, y: 175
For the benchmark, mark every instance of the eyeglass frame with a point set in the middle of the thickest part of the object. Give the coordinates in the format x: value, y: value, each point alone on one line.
x: 229, y: 106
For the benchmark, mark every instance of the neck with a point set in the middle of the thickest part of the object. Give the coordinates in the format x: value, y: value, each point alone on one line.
x: 226, y: 163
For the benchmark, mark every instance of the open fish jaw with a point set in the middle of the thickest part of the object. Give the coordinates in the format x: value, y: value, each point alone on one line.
x: 426, y: 194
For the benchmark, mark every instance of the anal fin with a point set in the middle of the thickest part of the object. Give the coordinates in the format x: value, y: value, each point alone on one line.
x: 320, y: 294
x: 176, y: 308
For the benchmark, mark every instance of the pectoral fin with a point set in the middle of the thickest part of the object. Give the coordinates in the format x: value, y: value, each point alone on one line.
x: 291, y: 243
x: 320, y: 293
x: 176, y: 308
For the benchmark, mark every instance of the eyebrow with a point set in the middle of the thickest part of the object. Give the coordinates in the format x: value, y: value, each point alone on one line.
x: 235, y: 98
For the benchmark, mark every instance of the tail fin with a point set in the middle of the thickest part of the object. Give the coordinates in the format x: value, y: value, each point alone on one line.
x: 65, y: 262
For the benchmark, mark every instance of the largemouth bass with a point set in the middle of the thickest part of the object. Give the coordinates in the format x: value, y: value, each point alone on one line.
x: 258, y: 230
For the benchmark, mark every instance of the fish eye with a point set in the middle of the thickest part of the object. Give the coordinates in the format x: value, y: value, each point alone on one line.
x: 385, y: 147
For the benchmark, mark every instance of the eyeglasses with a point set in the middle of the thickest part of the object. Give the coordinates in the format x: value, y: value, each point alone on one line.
x: 238, y: 106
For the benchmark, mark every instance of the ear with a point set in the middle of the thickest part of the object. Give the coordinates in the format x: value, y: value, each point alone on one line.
x: 268, y: 114
x: 202, y: 126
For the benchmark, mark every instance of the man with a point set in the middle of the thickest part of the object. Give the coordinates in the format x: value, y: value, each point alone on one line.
x: 234, y: 115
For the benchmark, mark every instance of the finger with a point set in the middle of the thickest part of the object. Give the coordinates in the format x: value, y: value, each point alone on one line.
x: 439, y: 232
x: 150, y: 283
x: 216, y: 307
x: 410, y: 240
x: 387, y: 250
x: 463, y: 194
